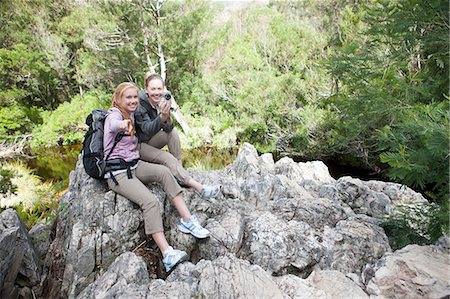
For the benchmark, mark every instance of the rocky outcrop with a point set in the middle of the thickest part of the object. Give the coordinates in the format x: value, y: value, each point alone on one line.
x: 413, y: 270
x: 280, y: 230
x: 20, y: 266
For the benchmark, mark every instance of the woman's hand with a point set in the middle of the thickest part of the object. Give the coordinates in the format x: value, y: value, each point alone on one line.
x: 126, y: 126
x: 164, y: 106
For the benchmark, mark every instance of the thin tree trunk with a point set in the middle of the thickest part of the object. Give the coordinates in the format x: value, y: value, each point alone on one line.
x: 146, y: 38
x: 162, y: 64
x: 179, y: 116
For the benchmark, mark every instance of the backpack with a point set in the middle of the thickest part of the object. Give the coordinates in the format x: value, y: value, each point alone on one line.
x: 93, y: 160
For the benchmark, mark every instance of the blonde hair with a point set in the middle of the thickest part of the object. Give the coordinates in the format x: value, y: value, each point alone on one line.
x: 149, y: 76
x: 117, y: 95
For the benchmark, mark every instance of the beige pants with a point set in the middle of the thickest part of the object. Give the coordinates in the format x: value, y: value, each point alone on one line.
x: 135, y: 189
x: 151, y: 152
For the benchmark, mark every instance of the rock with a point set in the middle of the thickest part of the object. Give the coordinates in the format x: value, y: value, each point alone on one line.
x: 280, y: 246
x: 275, y: 225
x: 20, y: 266
x: 227, y: 232
x: 295, y: 287
x: 411, y: 272
x: 94, y: 227
x: 226, y: 277
x: 307, y: 174
x: 373, y: 198
x: 41, y: 236
x: 128, y: 272
x: 444, y: 243
x: 340, y: 251
x: 336, y: 285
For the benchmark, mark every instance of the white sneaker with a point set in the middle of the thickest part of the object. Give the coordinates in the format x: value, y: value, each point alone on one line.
x: 210, y: 191
x: 193, y: 227
x: 173, y: 257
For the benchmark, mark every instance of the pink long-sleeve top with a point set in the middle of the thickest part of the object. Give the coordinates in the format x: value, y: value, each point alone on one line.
x: 127, y: 146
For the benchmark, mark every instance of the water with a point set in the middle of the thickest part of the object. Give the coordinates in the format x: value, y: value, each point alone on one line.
x: 55, y: 164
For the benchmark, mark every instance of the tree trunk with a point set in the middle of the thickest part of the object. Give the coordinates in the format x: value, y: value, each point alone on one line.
x: 162, y: 64
x: 179, y: 116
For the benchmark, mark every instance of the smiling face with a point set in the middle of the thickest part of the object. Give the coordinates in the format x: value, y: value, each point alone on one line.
x: 129, y: 99
x: 155, y: 91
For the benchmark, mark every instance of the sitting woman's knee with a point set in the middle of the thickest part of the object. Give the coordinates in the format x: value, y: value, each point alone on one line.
x: 150, y: 203
x: 165, y: 172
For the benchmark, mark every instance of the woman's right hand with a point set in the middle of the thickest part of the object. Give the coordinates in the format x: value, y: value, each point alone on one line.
x: 125, y: 125
x: 165, y: 109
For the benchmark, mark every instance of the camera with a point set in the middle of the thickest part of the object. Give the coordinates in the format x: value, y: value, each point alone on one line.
x: 167, y: 95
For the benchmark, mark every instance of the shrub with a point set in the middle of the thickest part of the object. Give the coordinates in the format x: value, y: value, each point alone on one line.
x: 416, y: 225
x: 6, y: 186
x: 65, y: 125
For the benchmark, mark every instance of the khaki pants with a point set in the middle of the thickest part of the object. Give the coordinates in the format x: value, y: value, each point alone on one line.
x: 135, y: 189
x: 151, y: 152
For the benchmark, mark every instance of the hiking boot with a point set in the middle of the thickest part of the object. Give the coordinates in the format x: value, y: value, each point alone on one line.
x: 210, y: 191
x: 173, y: 257
x: 193, y: 227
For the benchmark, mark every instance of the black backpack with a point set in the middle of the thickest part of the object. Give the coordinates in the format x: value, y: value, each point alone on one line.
x: 93, y: 160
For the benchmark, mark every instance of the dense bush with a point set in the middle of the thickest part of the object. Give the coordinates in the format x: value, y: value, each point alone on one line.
x: 66, y: 124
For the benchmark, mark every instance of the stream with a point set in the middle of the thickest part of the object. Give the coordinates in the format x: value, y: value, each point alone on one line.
x: 54, y: 164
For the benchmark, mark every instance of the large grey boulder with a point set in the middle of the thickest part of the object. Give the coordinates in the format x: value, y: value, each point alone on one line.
x: 226, y: 277
x: 373, y: 198
x: 20, y: 266
x: 277, y: 223
x: 336, y: 285
x: 411, y: 272
x: 93, y: 229
x: 127, y: 273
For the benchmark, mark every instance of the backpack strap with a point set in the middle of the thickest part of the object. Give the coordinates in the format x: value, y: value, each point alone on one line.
x: 129, y: 172
x: 120, y: 164
x: 118, y: 137
x: 113, y: 178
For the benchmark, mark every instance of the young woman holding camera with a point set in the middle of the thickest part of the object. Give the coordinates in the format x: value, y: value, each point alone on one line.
x: 132, y: 182
x: 154, y: 127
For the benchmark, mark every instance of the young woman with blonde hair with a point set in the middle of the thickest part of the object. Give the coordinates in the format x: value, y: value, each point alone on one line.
x: 131, y: 182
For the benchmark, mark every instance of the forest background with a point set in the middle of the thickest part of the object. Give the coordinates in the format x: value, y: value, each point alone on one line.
x: 363, y: 82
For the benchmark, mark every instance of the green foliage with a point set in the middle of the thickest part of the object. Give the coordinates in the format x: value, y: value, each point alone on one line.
x: 183, y: 31
x: 390, y: 91
x: 103, y: 40
x: 439, y: 222
x: 22, y: 69
x: 66, y: 124
x: 6, y: 186
x: 417, y: 150
x: 25, y: 72
x: 263, y: 78
x: 311, y: 137
x: 207, y: 158
x: 16, y: 120
x: 258, y: 134
x: 416, y: 225
x: 39, y: 211
x: 30, y: 193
